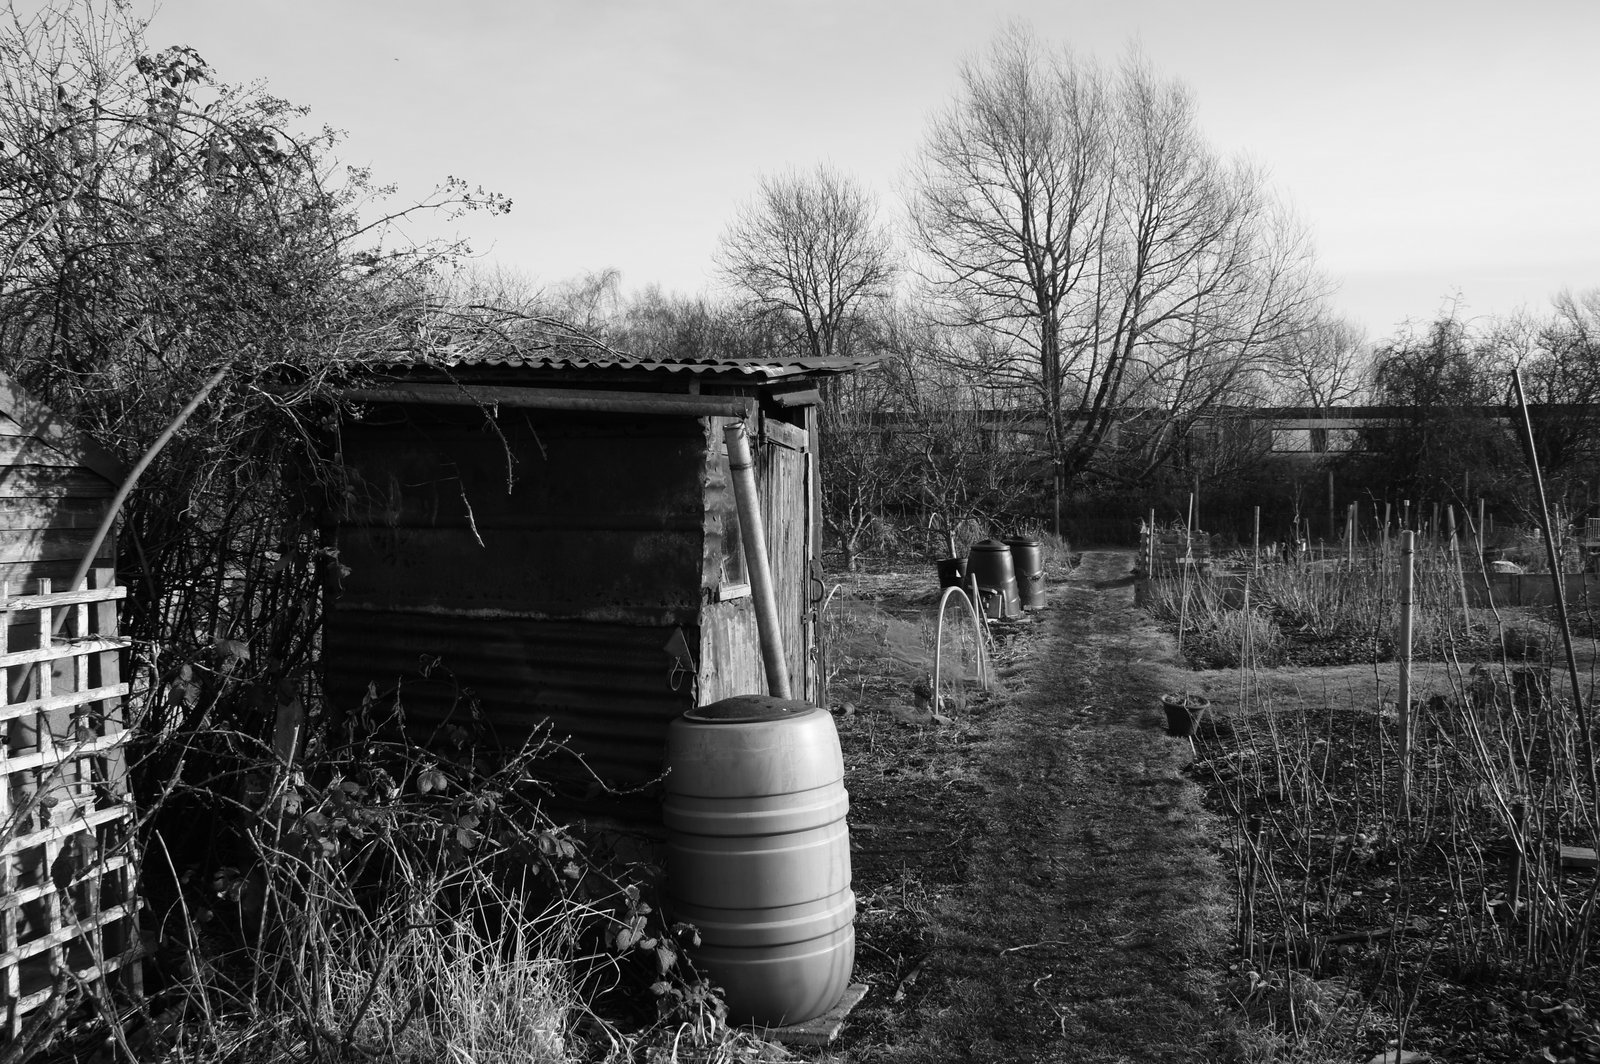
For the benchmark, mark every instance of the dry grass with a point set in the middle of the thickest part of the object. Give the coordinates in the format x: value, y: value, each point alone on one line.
x: 875, y: 655
x: 404, y: 905
x: 1459, y: 840
x: 1265, y: 614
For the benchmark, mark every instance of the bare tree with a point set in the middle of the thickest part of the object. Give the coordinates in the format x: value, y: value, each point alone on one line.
x: 1326, y: 364
x: 808, y: 248
x: 1560, y: 360
x: 1080, y: 218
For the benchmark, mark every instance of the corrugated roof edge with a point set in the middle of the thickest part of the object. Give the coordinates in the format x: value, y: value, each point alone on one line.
x: 761, y: 368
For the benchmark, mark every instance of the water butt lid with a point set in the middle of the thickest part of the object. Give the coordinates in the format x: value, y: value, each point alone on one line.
x: 748, y: 709
x: 992, y: 545
x: 1023, y: 541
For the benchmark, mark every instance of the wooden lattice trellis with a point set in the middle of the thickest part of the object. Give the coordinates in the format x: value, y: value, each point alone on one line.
x: 68, y: 899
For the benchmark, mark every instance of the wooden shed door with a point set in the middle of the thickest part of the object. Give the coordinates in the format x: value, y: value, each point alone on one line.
x: 785, y: 487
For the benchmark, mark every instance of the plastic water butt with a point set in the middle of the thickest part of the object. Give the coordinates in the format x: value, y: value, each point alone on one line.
x: 758, y: 854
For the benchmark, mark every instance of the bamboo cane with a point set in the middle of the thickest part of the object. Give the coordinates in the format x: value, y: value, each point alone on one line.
x: 1579, y: 709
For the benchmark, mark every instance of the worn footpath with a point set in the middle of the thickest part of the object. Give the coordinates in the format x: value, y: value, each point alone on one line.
x: 1090, y: 916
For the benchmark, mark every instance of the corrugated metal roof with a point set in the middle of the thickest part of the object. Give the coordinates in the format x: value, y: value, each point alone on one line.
x: 580, y: 359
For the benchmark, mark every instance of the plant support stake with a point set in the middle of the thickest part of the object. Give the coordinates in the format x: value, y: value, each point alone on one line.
x: 1408, y: 541
x: 1578, y: 707
x: 1461, y: 572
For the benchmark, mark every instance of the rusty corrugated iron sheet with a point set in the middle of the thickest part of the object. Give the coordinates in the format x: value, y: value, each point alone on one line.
x: 541, y: 562
x: 556, y: 516
x: 608, y: 688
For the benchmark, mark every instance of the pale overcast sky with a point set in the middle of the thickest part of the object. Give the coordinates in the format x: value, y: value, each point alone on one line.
x: 1434, y: 147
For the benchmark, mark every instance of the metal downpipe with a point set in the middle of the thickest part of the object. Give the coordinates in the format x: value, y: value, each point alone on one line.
x: 754, y: 536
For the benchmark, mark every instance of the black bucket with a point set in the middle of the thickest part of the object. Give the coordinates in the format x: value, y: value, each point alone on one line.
x: 1184, y: 713
x: 952, y: 572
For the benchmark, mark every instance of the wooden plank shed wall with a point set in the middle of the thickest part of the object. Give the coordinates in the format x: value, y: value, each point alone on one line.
x: 54, y: 487
x: 784, y: 485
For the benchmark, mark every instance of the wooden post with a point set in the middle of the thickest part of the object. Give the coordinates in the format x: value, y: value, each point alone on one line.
x: 1461, y: 572
x: 1184, y: 567
x: 1056, y: 493
x: 1333, y: 528
x: 1350, y: 538
x: 1557, y: 547
x: 1152, y: 570
x: 1407, y: 607
x: 1255, y: 542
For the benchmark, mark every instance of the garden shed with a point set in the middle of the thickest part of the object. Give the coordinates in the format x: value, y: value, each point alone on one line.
x: 556, y: 539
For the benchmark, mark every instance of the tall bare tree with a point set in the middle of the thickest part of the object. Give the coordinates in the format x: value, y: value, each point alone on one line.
x: 1080, y: 217
x: 1326, y: 364
x: 808, y: 248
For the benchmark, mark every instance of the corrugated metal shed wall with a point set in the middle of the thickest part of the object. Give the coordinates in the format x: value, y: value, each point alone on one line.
x: 553, y: 599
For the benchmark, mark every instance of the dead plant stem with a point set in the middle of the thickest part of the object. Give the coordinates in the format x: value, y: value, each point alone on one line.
x: 1578, y: 706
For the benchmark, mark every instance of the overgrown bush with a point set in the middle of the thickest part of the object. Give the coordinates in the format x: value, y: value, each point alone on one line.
x: 387, y: 901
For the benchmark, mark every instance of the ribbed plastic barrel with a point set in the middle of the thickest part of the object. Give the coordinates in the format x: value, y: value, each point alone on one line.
x: 758, y: 854
x: 990, y: 563
x: 1027, y: 559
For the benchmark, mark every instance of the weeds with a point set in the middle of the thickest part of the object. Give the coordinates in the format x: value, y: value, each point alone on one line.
x: 1327, y: 614
x: 875, y: 656
x: 1340, y: 886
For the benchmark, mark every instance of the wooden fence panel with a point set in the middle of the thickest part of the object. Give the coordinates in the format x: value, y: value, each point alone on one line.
x: 68, y: 895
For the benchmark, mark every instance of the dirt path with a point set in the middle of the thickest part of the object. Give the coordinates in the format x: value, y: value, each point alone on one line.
x: 1090, y: 914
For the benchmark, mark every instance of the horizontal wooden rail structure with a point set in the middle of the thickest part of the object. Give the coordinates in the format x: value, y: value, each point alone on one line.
x: 68, y: 872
